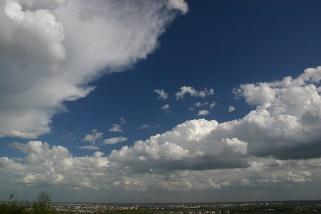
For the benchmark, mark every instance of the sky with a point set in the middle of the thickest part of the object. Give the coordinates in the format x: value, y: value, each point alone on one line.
x: 160, y: 101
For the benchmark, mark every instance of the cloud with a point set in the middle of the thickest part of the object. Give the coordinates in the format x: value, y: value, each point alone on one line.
x: 117, y: 128
x: 144, y: 126
x: 203, y: 112
x: 156, y: 167
x: 231, y: 109
x: 93, y: 137
x: 257, y: 94
x: 115, y: 140
x: 48, y: 55
x: 123, y: 121
x: 286, y: 117
x: 187, y: 146
x: 284, y: 124
x: 188, y: 90
x: 212, y: 105
x: 166, y: 107
x: 161, y: 94
x: 201, y: 104
x: 56, y: 165
x: 180, y: 5
x: 285, y: 128
x: 90, y: 147
x: 276, y: 145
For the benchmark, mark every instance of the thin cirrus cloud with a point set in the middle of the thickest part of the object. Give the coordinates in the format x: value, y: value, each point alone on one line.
x: 54, y: 59
x: 278, y: 142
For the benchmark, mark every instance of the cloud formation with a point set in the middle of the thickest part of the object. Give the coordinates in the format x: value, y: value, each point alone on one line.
x: 47, y: 55
x: 187, y: 146
x: 55, y: 165
x: 277, y: 143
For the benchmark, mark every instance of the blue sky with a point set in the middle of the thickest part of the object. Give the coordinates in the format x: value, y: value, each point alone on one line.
x: 217, y: 45
x: 96, y: 72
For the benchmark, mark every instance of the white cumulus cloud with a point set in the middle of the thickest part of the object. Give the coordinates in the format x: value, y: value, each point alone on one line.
x: 276, y: 144
x: 50, y: 51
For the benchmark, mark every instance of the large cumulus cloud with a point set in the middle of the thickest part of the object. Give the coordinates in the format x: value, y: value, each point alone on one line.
x: 51, y: 49
x: 285, y: 124
x: 286, y: 119
x: 186, y: 147
x: 277, y: 142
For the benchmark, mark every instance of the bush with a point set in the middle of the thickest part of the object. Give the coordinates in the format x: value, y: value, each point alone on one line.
x: 43, y: 205
x: 12, y: 206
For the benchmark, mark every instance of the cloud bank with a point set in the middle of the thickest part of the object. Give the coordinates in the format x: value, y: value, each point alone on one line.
x: 278, y: 142
x: 51, y: 50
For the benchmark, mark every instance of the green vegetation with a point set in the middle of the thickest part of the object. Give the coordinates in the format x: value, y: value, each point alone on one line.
x: 12, y: 206
x: 41, y: 206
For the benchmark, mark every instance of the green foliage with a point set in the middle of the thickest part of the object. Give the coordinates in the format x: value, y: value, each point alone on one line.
x: 12, y: 206
x: 43, y: 205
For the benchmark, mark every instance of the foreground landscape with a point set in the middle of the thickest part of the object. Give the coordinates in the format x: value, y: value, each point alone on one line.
x: 44, y: 206
x: 211, y: 208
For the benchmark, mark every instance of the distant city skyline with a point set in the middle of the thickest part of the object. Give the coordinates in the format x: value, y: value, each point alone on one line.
x: 160, y: 101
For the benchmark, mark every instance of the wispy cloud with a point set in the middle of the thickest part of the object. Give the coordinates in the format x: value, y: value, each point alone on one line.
x: 203, y: 112
x: 191, y: 91
x: 231, y: 109
x: 90, y: 147
x: 166, y: 108
x: 115, y: 140
x: 162, y: 94
x: 93, y: 137
x: 144, y: 126
x: 116, y: 128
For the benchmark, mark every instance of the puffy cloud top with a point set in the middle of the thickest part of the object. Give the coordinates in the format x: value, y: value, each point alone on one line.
x: 48, y: 54
x: 187, y: 146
